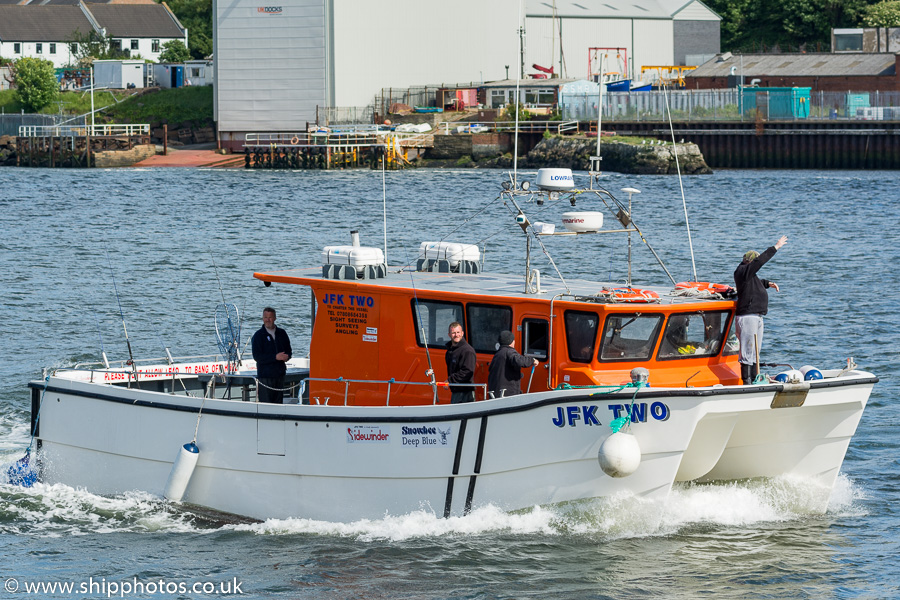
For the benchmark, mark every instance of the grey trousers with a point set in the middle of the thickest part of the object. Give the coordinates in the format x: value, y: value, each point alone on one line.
x: 749, y: 329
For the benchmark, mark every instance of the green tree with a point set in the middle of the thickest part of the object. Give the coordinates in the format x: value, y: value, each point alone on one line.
x: 196, y: 15
x: 36, y: 84
x: 88, y: 47
x: 749, y: 25
x: 883, y: 14
x: 174, y: 51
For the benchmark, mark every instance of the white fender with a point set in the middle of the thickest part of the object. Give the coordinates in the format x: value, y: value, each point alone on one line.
x: 182, y: 469
x: 619, y: 455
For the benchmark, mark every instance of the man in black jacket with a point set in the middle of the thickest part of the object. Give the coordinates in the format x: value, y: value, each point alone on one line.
x: 271, y: 350
x: 752, y: 304
x: 505, y: 371
x: 461, y: 363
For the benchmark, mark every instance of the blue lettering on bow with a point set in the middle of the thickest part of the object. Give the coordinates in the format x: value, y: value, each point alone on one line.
x: 570, y: 415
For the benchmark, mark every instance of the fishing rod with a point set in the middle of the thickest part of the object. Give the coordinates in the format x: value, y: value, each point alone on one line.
x: 422, y: 329
x: 233, y: 347
x: 680, y: 183
x: 122, y: 315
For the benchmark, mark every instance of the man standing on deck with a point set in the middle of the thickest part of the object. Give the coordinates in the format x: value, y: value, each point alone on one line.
x: 271, y: 350
x: 461, y: 363
x: 752, y: 304
x: 505, y: 371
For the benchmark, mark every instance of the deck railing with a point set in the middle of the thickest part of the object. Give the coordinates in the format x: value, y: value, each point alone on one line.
x: 389, y: 383
x: 124, y: 130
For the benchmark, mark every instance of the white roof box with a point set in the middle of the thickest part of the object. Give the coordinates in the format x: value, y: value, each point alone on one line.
x: 357, y: 256
x: 449, y: 251
x: 555, y: 180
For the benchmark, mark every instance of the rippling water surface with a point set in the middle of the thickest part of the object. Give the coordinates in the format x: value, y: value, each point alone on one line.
x: 161, y: 231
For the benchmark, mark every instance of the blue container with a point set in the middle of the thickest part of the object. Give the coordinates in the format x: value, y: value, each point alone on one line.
x: 777, y: 103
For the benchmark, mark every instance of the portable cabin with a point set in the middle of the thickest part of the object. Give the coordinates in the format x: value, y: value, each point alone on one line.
x: 119, y: 74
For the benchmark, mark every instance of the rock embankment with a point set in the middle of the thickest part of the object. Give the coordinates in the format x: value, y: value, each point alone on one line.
x: 621, y: 157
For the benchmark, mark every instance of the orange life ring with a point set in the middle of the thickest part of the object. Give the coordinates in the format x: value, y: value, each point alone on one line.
x: 295, y: 140
x: 704, y: 286
x: 633, y: 295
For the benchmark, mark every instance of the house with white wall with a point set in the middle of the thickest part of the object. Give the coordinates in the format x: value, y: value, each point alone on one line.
x: 47, y: 30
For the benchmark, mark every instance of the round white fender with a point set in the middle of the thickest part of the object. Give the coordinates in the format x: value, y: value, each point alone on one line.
x: 182, y: 470
x: 619, y: 455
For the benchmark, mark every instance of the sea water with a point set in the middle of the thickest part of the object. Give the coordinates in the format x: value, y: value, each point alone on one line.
x: 178, y: 240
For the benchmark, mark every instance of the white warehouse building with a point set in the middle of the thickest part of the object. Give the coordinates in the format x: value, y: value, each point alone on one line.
x: 278, y: 62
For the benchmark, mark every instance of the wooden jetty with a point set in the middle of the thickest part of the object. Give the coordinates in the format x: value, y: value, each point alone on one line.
x: 349, y: 148
x: 75, y: 146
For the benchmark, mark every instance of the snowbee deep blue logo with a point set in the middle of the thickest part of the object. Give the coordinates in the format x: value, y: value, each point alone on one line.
x: 424, y: 436
x: 587, y: 414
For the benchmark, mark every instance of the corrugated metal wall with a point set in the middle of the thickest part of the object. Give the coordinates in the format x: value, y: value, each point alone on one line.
x: 653, y: 43
x: 406, y: 43
x: 270, y: 61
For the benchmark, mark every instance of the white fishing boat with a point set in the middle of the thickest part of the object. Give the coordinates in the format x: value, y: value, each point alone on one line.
x: 636, y: 389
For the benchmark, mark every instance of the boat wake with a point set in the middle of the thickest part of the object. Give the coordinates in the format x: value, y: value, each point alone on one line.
x: 58, y: 510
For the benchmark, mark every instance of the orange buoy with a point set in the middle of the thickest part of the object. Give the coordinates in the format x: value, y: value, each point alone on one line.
x: 629, y: 294
x: 704, y: 286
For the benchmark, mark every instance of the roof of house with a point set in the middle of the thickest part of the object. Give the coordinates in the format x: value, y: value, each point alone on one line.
x: 137, y: 20
x: 41, y: 23
x: 798, y: 65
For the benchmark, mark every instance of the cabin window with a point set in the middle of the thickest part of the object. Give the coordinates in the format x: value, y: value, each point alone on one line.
x: 630, y: 337
x: 535, y: 338
x: 434, y: 318
x: 485, y: 324
x: 581, y: 335
x: 732, y: 345
x: 693, y: 334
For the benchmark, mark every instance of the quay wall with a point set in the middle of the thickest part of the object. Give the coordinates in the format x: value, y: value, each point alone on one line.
x: 782, y: 145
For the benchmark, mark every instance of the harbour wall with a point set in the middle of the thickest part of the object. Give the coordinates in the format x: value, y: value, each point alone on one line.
x: 782, y: 145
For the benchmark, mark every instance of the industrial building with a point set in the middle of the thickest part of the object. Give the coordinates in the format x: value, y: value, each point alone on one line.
x: 277, y: 65
x: 836, y: 72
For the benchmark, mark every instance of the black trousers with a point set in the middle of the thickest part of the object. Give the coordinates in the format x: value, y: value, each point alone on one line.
x: 270, y: 389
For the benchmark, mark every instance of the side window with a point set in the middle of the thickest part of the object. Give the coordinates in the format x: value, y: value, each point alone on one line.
x: 52, y: 48
x: 629, y: 337
x: 485, y: 324
x: 693, y: 334
x: 732, y: 345
x: 434, y: 318
x: 17, y: 48
x: 154, y: 46
x: 581, y: 335
x: 134, y: 44
x: 535, y: 338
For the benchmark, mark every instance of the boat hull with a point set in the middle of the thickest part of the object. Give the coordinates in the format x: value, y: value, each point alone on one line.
x: 340, y: 463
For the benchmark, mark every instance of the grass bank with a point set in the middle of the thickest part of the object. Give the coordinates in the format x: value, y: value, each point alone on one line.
x: 194, y: 104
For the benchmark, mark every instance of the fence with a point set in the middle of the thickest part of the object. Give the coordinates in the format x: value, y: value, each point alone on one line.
x: 10, y: 123
x: 732, y: 105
